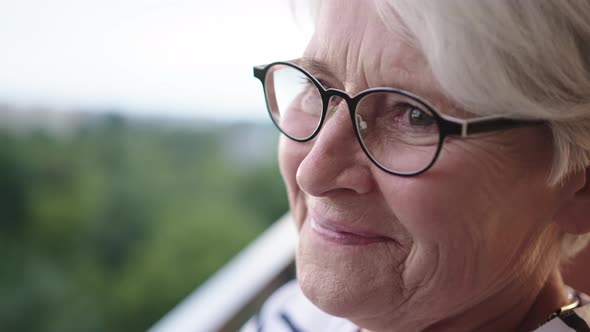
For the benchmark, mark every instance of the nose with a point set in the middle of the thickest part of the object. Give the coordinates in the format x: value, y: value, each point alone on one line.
x: 335, y: 161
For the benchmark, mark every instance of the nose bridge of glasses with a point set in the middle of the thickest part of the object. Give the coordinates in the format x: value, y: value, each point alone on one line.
x: 341, y: 99
x: 340, y: 106
x: 339, y: 95
x: 337, y: 129
x: 336, y: 102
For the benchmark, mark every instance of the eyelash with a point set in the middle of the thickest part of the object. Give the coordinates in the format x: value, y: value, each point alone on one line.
x: 324, y: 84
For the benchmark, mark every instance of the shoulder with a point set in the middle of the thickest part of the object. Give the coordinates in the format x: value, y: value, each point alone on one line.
x: 577, y: 320
x: 289, y: 310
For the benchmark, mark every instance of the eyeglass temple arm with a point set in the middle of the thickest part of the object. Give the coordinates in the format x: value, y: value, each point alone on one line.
x: 259, y: 71
x: 464, y: 128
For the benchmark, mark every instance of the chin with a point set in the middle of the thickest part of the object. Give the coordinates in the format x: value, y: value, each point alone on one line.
x: 330, y: 292
x: 347, y: 281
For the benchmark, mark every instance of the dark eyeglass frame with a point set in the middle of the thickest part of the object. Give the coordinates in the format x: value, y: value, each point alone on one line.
x: 448, y: 125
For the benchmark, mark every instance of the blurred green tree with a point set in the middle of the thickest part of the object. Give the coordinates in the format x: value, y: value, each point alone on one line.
x: 108, y: 227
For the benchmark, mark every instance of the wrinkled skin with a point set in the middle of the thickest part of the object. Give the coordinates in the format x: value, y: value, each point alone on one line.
x: 469, y: 245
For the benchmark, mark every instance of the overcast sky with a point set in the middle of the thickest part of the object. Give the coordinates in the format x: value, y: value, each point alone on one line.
x: 175, y: 56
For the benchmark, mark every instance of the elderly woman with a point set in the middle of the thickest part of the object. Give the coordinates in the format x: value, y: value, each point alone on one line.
x: 436, y: 156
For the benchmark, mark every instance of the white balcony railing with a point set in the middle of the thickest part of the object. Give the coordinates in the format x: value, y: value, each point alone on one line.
x: 231, y: 295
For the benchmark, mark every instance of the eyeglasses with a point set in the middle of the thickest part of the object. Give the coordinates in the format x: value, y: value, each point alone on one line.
x: 400, y: 132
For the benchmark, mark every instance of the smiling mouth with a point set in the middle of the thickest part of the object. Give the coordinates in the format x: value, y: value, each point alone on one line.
x: 343, y: 237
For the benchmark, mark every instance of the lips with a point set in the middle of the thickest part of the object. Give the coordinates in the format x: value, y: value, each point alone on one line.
x: 345, y: 235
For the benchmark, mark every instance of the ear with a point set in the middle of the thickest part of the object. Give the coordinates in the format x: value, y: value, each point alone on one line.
x: 574, y: 214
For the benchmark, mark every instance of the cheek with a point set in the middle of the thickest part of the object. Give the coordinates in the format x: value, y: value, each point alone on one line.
x: 288, y: 161
x: 475, y: 187
x: 432, y: 208
x: 478, y: 207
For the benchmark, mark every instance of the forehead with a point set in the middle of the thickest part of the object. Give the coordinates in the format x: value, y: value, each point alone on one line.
x: 356, y: 47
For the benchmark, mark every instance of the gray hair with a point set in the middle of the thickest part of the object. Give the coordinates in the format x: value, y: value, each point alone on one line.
x: 523, y: 58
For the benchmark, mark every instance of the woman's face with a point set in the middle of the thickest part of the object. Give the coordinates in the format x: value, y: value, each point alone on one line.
x: 373, y: 246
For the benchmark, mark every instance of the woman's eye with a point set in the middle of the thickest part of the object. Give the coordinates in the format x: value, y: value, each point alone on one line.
x: 419, y: 118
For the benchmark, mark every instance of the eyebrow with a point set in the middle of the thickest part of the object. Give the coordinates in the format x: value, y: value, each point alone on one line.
x: 312, y: 65
x: 406, y: 84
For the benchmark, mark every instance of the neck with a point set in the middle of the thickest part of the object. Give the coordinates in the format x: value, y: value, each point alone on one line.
x: 551, y: 297
x: 521, y: 309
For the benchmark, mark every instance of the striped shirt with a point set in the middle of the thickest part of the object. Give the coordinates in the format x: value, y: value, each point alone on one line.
x: 288, y: 310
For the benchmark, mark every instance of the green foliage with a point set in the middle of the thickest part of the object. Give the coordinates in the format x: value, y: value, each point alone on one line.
x: 107, y: 228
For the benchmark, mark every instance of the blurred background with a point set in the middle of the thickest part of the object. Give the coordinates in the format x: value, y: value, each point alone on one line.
x: 136, y: 155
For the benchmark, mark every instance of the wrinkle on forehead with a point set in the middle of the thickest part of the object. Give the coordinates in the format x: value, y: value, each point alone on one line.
x: 361, y: 52
x: 340, y: 39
